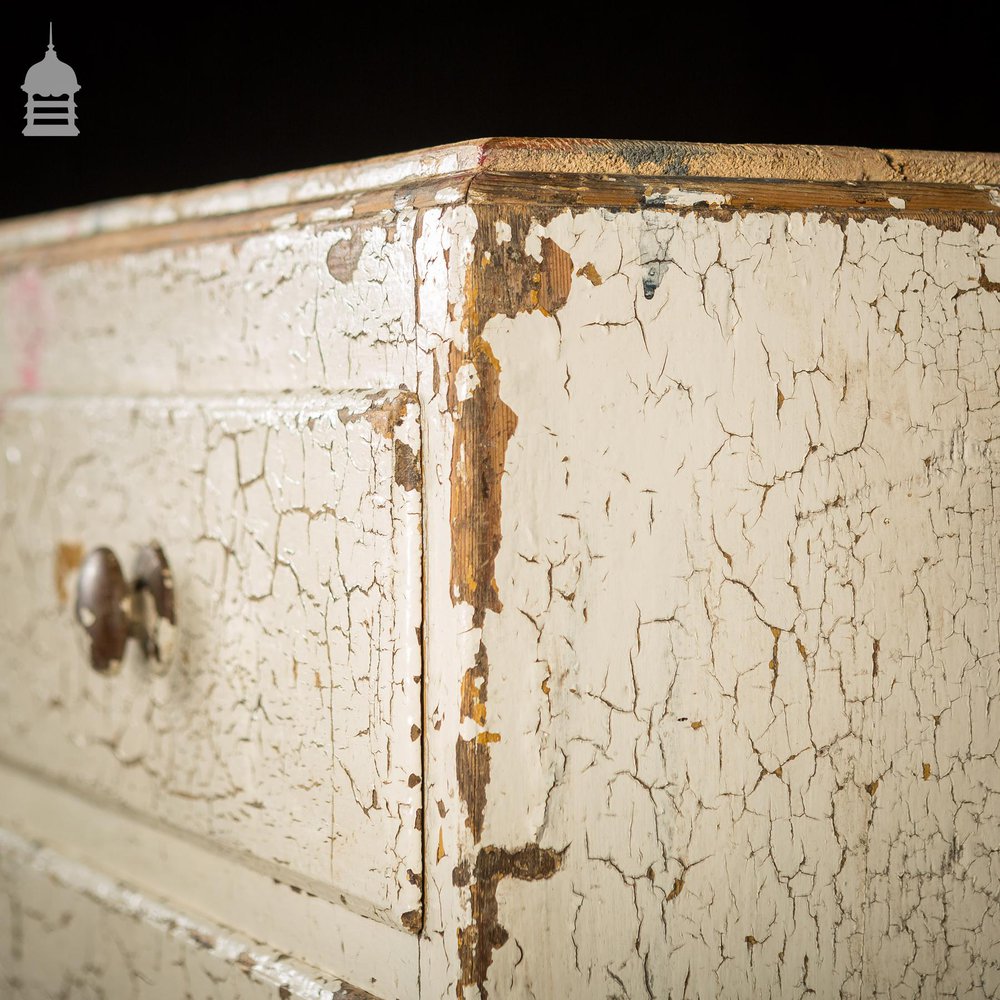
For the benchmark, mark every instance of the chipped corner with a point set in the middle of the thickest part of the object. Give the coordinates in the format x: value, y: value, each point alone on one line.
x: 389, y: 413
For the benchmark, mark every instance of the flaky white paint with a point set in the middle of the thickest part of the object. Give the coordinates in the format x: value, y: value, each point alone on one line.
x: 157, y: 863
x: 442, y: 255
x: 745, y: 671
x: 742, y: 682
x: 260, y: 313
x: 70, y: 931
x: 283, y: 730
x: 675, y: 197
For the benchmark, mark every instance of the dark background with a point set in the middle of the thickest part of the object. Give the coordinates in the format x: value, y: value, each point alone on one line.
x: 182, y: 96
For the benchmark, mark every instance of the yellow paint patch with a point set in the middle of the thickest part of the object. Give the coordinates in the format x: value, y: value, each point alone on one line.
x: 69, y: 556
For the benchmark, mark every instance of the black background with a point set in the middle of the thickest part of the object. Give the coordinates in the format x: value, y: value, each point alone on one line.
x: 179, y: 96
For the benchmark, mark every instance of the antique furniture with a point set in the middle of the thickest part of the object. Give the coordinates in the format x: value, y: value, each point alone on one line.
x: 521, y: 568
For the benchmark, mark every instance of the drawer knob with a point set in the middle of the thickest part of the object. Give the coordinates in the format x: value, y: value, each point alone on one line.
x: 112, y: 611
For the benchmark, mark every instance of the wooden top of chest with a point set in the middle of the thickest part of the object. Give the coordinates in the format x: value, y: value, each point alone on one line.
x: 455, y: 172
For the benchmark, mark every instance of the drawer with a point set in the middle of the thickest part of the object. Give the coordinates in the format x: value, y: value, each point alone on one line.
x: 78, y: 933
x: 287, y: 730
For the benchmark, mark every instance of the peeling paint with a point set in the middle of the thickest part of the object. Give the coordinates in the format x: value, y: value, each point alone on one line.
x: 407, y: 466
x: 775, y: 581
x: 344, y: 254
x: 472, y: 757
x: 683, y: 198
x: 692, y: 446
x: 281, y: 734
x: 100, y: 937
x: 478, y: 942
x: 385, y: 412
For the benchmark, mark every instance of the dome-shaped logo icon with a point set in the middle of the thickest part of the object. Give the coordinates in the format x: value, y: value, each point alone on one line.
x: 51, y: 88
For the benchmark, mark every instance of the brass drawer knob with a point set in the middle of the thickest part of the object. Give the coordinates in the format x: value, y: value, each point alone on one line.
x: 112, y: 611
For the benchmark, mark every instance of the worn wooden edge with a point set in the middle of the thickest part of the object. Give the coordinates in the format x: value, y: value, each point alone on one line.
x: 499, y: 280
x: 342, y: 184
x: 758, y: 161
x: 947, y: 205
x: 331, y: 213
x: 258, y: 963
x: 287, y: 190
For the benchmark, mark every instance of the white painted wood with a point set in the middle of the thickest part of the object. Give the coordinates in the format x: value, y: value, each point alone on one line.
x: 288, y: 729
x: 588, y: 156
x: 442, y: 254
x: 714, y: 718
x: 282, y: 191
x: 206, y: 885
x: 745, y: 673
x: 69, y: 931
x: 251, y: 312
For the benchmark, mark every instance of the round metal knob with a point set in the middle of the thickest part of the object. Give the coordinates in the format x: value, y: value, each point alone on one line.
x: 112, y: 611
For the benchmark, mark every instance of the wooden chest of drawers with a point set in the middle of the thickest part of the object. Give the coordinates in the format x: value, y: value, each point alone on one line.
x: 584, y: 572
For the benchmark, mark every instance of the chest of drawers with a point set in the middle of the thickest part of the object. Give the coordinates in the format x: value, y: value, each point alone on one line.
x: 583, y: 568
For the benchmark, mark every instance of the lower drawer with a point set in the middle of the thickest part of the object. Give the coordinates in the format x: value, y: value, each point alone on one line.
x: 70, y: 931
x: 287, y: 730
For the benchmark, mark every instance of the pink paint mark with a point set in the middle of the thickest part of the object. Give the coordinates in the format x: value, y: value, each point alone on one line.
x: 28, y: 310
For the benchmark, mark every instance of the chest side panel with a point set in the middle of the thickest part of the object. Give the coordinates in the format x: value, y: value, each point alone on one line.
x: 729, y: 716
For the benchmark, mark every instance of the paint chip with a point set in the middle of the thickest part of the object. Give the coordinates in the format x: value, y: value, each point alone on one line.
x: 683, y: 199
x: 466, y: 381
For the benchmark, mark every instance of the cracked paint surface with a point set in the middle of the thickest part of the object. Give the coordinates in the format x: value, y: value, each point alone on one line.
x: 283, y: 730
x: 746, y: 660
x: 68, y: 931
x: 253, y: 313
x: 703, y: 503
x: 254, y: 421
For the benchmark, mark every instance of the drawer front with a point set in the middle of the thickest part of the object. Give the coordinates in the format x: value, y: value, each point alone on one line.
x: 70, y: 931
x: 287, y: 730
